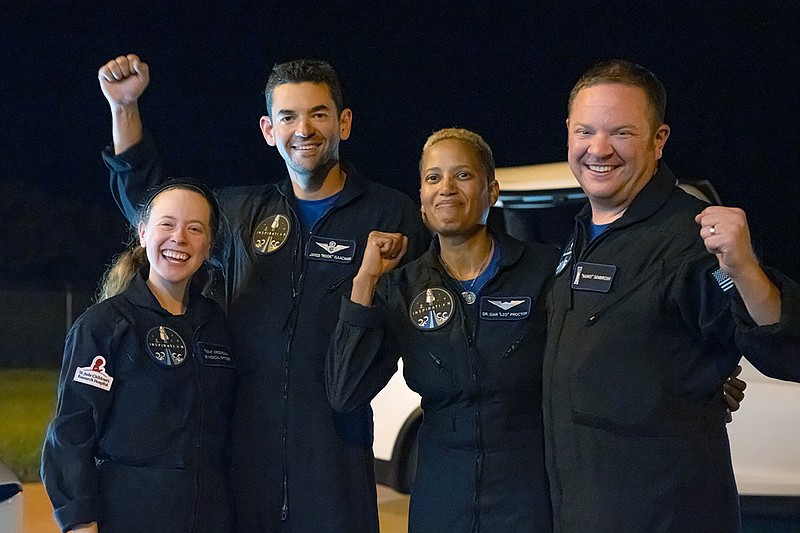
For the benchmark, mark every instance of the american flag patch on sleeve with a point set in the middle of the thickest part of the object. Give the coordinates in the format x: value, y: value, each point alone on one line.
x: 724, y: 281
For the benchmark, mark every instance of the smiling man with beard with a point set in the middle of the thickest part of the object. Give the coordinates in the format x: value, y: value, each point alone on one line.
x: 289, y: 251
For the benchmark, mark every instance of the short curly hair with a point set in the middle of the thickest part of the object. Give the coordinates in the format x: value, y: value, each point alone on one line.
x: 472, y: 139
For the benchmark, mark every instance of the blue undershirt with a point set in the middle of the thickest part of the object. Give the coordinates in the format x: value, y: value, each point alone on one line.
x: 310, y: 211
x: 595, y: 230
x: 485, y: 276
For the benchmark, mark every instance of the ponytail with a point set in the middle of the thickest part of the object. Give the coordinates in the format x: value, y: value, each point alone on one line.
x: 121, y: 272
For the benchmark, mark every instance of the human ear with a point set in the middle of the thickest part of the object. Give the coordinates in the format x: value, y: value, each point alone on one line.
x: 267, y: 130
x: 141, y: 232
x: 662, y: 133
x: 494, y: 192
x: 345, y: 123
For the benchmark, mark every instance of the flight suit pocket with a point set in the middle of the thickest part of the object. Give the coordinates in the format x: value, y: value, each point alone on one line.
x: 618, y: 366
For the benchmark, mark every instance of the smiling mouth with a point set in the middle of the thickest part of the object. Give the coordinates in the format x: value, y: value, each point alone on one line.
x: 305, y: 147
x: 601, y: 169
x: 173, y: 255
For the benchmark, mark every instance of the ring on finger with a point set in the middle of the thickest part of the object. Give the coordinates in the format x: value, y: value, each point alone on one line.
x: 712, y: 230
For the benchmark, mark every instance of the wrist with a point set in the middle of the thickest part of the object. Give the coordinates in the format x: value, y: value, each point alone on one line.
x: 124, y: 108
x: 365, y: 279
x: 364, y: 288
x: 747, y: 272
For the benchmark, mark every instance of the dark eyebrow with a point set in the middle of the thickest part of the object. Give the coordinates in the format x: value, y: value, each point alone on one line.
x: 321, y: 107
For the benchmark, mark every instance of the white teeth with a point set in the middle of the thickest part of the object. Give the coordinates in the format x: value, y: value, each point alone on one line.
x: 601, y: 168
x: 305, y: 147
x: 178, y: 256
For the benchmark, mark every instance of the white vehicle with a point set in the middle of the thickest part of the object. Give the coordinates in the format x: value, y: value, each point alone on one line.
x: 539, y: 202
x: 10, y: 501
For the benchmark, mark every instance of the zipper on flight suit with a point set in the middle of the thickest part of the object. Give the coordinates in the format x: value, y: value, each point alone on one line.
x: 471, y: 330
x: 291, y: 320
x: 300, y: 250
x: 197, y: 366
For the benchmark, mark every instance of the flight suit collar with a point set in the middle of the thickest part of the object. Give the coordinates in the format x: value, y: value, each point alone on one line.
x: 649, y: 200
x: 510, y: 251
x: 139, y: 294
x: 354, y: 186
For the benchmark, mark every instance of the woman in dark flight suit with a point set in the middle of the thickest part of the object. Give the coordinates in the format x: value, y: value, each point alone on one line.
x: 140, y: 440
x: 468, y: 320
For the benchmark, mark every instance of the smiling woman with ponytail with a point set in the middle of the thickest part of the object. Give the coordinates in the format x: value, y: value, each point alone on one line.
x: 140, y: 437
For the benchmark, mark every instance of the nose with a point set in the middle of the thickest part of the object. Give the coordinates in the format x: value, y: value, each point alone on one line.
x: 599, y: 145
x: 304, y: 128
x: 448, y: 185
x: 178, y: 235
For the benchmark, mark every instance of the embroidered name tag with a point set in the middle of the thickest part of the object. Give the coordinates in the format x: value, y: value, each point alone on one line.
x: 505, y: 307
x: 333, y: 250
x: 94, y: 375
x: 593, y: 277
x: 215, y: 355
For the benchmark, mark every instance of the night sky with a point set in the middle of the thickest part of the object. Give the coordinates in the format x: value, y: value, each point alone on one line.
x: 503, y: 69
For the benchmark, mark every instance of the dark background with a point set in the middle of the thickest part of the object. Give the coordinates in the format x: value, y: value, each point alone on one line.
x: 503, y: 69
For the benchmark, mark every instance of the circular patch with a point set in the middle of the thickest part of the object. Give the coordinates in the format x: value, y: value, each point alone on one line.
x: 166, y: 347
x: 271, y: 234
x: 431, y: 309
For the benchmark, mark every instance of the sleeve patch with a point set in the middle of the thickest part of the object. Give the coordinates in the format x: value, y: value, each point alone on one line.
x: 94, y: 375
x: 723, y: 280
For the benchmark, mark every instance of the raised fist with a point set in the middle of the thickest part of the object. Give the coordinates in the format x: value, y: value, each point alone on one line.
x: 124, y: 79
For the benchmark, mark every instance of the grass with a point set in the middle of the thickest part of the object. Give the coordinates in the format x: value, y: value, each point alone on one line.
x: 27, y: 403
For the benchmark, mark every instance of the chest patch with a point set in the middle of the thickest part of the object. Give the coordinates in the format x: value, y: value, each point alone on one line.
x: 431, y: 309
x: 215, y: 355
x: 593, y: 277
x: 271, y: 234
x: 505, y: 307
x: 166, y: 347
x: 332, y: 250
x: 94, y: 375
x: 566, y: 256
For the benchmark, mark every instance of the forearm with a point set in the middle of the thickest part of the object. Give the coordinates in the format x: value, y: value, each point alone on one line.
x: 126, y: 126
x: 133, y: 173
x: 363, y: 289
x: 760, y: 296
x: 359, y: 361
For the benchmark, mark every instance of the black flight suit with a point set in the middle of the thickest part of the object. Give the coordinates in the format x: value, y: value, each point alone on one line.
x: 634, y: 420
x: 481, y: 458
x: 141, y: 436
x: 298, y: 466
